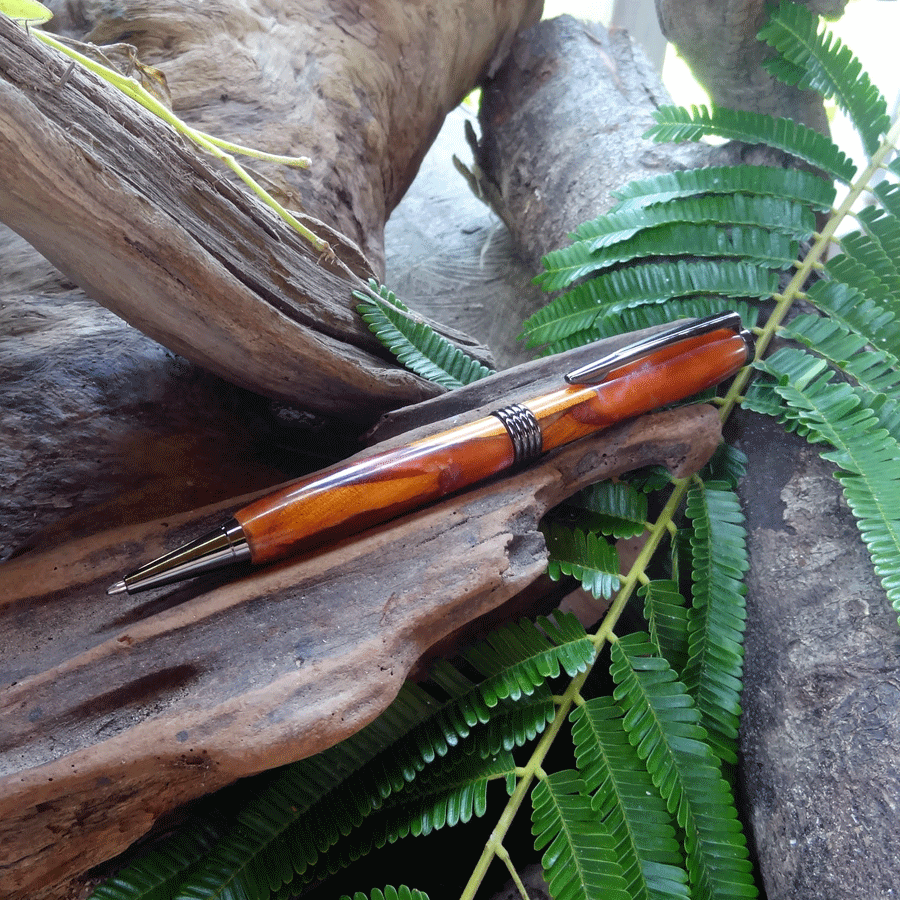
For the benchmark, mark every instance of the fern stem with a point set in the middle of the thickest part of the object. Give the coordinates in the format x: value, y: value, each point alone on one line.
x: 503, y: 854
x: 530, y: 772
x: 813, y: 258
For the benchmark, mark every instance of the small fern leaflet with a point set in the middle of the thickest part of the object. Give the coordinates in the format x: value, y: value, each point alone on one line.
x: 580, y: 858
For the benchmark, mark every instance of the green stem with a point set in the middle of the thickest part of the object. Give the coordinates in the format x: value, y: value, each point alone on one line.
x: 218, y: 148
x: 532, y: 768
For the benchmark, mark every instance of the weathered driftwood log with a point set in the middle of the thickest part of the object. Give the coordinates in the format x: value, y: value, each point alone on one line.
x: 718, y: 41
x: 820, y: 734
x: 114, y: 712
x: 146, y: 225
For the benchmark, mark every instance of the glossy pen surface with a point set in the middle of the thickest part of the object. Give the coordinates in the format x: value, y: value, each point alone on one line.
x: 350, y: 497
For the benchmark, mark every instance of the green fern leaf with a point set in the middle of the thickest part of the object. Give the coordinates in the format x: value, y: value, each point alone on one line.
x: 866, y: 453
x: 628, y: 803
x: 635, y: 318
x: 727, y: 464
x: 389, y: 893
x: 607, y: 294
x: 868, y: 254
x: 888, y: 193
x: 666, y: 613
x: 753, y: 245
x: 807, y: 189
x: 520, y: 656
x: 156, y: 875
x: 819, y: 61
x: 874, y: 370
x: 850, y: 308
x: 415, y: 344
x: 663, y: 726
x: 716, y: 619
x: 612, y: 508
x: 580, y: 859
x: 584, y: 555
x: 678, y: 124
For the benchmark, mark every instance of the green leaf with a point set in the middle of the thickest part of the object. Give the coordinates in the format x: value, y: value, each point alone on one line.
x: 678, y: 124
x: 806, y: 188
x: 415, y: 344
x: 580, y: 859
x: 666, y: 613
x: 584, y: 555
x: 26, y: 11
x: 612, y: 508
x: 717, y: 617
x: 389, y: 893
x: 637, y: 285
x: 865, y: 453
x: 814, y: 60
x: 629, y: 805
x: 663, y: 726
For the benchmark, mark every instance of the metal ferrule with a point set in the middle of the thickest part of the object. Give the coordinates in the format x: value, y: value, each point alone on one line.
x: 524, y: 431
x: 222, y: 547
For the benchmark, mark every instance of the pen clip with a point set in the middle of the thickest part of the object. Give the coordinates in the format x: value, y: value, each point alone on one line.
x: 595, y: 372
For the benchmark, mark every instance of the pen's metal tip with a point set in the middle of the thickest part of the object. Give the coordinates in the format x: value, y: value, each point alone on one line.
x: 118, y: 588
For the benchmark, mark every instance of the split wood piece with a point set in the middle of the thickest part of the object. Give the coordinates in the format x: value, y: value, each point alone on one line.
x: 117, y: 710
x: 146, y: 226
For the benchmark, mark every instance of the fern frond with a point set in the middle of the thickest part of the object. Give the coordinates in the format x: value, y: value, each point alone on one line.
x: 874, y: 370
x: 156, y: 875
x: 584, y: 555
x: 869, y: 254
x: 854, y: 311
x: 455, y: 793
x: 663, y: 726
x: 888, y: 193
x: 612, y: 508
x: 666, y: 613
x: 677, y: 124
x: 638, y: 317
x: 606, y: 294
x: 628, y: 803
x: 389, y: 893
x: 415, y: 344
x: 765, y: 248
x: 813, y: 60
x: 727, y: 464
x: 717, y: 616
x: 865, y: 453
x: 520, y: 656
x: 580, y: 859
x: 807, y: 189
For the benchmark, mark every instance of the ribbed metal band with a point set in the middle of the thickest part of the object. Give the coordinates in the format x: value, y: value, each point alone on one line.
x: 524, y: 431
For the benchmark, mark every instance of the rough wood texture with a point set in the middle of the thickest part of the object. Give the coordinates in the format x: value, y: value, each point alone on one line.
x: 197, y: 263
x: 821, y: 722
x: 115, y: 712
x: 568, y: 84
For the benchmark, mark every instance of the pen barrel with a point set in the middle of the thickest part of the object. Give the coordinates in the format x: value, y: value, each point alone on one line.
x: 660, y: 379
x: 349, y: 498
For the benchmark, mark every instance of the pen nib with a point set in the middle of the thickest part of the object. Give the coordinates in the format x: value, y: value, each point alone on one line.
x: 118, y: 588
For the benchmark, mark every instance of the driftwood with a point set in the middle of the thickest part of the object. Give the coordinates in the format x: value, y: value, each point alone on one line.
x: 819, y: 737
x: 201, y: 265
x: 118, y: 711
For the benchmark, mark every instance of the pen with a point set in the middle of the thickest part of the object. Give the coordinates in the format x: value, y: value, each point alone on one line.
x: 345, y: 499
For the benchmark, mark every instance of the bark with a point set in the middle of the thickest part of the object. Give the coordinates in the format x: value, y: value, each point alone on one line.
x: 718, y: 42
x: 201, y: 265
x: 117, y: 712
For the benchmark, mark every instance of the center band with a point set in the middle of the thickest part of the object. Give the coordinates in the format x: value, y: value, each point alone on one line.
x: 524, y: 431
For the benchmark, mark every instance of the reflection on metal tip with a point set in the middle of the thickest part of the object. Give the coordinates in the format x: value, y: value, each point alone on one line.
x: 118, y: 588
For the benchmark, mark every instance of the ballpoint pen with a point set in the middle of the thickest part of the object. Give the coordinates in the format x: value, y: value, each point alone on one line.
x: 347, y: 498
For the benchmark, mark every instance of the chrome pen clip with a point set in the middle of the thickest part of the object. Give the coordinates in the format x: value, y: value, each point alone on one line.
x: 595, y: 372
